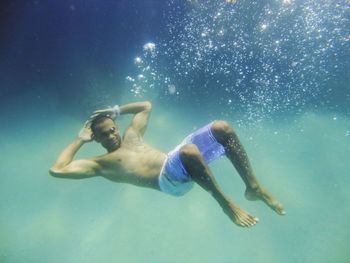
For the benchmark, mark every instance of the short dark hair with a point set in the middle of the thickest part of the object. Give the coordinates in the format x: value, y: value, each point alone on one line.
x: 97, y: 120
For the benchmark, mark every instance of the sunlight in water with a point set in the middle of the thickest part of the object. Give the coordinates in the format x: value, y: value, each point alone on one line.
x: 270, y: 58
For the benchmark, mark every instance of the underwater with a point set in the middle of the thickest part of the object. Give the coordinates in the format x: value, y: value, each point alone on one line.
x: 276, y: 71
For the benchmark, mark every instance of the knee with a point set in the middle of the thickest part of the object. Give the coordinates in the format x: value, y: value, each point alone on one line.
x: 189, y: 152
x: 221, y: 130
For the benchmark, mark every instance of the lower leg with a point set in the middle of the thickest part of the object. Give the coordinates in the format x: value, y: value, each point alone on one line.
x: 201, y: 174
x: 235, y: 151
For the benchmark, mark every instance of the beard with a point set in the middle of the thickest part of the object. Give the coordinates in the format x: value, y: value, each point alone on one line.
x: 113, y: 145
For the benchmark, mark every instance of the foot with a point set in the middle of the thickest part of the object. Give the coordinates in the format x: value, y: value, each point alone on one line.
x: 263, y: 195
x: 239, y: 216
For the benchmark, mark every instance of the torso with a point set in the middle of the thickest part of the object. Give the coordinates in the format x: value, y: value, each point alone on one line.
x: 134, y: 162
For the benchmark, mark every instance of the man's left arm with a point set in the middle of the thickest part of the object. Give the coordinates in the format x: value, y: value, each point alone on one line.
x: 142, y: 112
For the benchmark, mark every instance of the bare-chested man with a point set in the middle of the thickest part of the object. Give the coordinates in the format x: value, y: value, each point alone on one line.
x: 131, y: 160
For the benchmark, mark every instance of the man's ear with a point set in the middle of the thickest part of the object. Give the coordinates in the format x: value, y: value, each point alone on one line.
x: 94, y: 138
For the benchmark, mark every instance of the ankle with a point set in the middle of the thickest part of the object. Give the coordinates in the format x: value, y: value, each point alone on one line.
x: 225, y: 203
x: 253, y: 188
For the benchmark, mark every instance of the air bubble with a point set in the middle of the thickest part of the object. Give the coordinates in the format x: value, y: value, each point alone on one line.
x: 171, y: 89
x: 149, y: 47
x: 137, y: 60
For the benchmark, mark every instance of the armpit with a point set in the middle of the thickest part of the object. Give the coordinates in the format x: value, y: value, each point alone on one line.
x: 131, y: 137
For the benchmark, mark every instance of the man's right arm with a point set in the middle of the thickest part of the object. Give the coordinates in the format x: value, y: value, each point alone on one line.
x: 78, y: 169
x: 65, y: 167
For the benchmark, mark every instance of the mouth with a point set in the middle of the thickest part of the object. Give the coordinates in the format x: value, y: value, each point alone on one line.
x: 114, y: 142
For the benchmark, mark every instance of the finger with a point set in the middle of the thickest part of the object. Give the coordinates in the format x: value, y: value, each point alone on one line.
x: 100, y: 111
x: 93, y: 116
x: 87, y: 124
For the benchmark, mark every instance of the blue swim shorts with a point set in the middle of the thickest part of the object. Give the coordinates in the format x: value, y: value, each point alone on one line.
x: 173, y: 178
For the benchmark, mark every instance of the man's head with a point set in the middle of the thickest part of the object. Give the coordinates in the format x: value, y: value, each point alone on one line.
x: 106, y: 132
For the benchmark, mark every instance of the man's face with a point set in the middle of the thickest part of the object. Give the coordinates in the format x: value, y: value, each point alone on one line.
x: 107, y: 133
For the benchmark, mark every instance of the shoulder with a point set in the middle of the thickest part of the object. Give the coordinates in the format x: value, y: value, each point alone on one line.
x: 132, y: 136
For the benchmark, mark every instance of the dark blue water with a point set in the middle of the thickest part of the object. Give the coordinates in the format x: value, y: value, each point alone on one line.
x: 278, y: 71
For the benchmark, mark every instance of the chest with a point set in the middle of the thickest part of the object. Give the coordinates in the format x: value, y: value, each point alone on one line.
x: 137, y: 160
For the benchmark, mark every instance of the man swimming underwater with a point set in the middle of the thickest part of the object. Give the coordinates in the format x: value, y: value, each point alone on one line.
x: 131, y: 160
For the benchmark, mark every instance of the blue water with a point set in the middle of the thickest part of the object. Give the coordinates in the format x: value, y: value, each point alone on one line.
x: 278, y: 71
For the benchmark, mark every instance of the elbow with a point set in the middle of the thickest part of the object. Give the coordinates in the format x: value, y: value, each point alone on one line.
x: 54, y: 172
x: 148, y: 105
